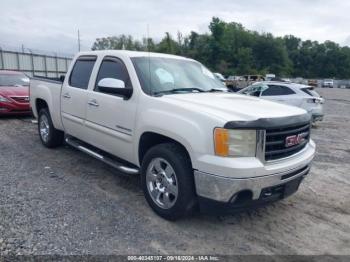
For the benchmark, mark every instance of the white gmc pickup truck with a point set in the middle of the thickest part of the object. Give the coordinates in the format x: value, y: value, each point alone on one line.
x: 168, y: 119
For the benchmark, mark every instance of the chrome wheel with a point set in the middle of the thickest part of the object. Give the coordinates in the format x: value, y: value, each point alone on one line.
x: 44, y: 128
x: 162, y: 183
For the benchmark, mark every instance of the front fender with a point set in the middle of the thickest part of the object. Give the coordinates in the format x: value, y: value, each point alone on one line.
x: 181, y: 128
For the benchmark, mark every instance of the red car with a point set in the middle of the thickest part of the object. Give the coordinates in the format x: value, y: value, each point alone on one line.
x: 14, y: 93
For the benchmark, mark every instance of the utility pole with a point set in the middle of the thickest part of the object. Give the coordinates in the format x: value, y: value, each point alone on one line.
x: 78, y: 40
x: 148, y: 38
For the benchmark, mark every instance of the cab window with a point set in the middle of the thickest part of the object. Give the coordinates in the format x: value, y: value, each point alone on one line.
x: 81, y: 72
x: 112, y: 67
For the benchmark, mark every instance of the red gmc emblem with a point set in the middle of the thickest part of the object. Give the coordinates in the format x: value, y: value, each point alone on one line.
x: 295, y: 140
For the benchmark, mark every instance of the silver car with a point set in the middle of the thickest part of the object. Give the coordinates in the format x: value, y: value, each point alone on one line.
x: 298, y: 95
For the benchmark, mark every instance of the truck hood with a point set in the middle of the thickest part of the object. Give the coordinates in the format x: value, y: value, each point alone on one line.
x: 232, y: 106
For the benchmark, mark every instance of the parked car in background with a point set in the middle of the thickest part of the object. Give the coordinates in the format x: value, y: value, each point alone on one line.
x: 312, y: 82
x: 236, y: 83
x: 254, y: 78
x: 328, y: 83
x: 235, y: 78
x: 231, y: 81
x: 220, y: 77
x: 269, y: 77
x: 289, y: 93
x: 14, y: 93
x: 168, y: 118
x: 286, y: 80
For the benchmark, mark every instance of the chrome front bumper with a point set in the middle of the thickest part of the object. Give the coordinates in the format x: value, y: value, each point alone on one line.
x: 225, y: 189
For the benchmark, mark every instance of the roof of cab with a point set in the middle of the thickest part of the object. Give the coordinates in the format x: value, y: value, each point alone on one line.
x: 127, y: 53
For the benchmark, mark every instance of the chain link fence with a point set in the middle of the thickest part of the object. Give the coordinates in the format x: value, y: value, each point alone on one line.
x: 34, y: 62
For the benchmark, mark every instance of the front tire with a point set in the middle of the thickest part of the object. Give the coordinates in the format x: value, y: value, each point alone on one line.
x: 49, y: 135
x: 167, y: 181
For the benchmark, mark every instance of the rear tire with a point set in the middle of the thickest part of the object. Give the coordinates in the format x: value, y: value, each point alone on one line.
x: 49, y: 135
x: 167, y: 181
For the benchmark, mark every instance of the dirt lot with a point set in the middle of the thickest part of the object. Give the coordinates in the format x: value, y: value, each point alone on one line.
x: 64, y: 202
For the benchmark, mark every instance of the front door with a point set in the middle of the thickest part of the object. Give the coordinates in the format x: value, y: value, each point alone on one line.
x: 110, y: 118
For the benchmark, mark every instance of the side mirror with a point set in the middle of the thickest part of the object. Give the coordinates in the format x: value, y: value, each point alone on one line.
x: 114, y: 86
x: 62, y: 77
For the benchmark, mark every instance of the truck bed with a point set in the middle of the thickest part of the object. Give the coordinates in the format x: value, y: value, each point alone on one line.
x: 49, y: 90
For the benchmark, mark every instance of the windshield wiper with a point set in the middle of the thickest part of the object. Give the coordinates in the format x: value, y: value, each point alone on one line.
x: 179, y: 90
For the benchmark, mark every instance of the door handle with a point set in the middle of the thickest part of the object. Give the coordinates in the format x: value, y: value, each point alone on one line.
x: 93, y: 102
x: 66, y: 95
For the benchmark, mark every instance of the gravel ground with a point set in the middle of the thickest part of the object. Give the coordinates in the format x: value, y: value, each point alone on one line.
x: 63, y: 202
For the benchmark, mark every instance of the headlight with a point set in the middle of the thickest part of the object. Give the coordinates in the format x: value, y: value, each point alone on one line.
x: 4, y: 99
x: 235, y: 143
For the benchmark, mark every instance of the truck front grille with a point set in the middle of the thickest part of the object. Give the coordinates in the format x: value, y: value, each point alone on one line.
x: 277, y: 144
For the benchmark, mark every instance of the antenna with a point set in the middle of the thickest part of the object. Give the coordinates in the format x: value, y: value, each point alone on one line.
x: 149, y: 62
x: 78, y: 40
x: 148, y: 37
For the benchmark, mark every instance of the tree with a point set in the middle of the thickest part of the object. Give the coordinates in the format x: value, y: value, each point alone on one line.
x: 216, y: 44
x: 149, y: 44
x: 245, y: 60
x: 168, y: 45
x: 117, y: 42
x: 230, y: 48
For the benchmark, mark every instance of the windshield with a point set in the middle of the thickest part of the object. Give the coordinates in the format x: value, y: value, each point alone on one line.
x: 254, y: 90
x: 169, y: 75
x: 14, y: 80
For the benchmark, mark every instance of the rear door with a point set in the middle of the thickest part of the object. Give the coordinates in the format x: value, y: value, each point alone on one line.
x: 74, y: 96
x: 110, y: 118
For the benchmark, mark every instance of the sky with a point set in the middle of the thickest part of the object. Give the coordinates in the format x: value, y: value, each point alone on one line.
x: 53, y: 25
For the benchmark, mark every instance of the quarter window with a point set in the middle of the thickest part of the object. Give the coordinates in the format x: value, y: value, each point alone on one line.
x: 81, y: 72
x: 310, y: 92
